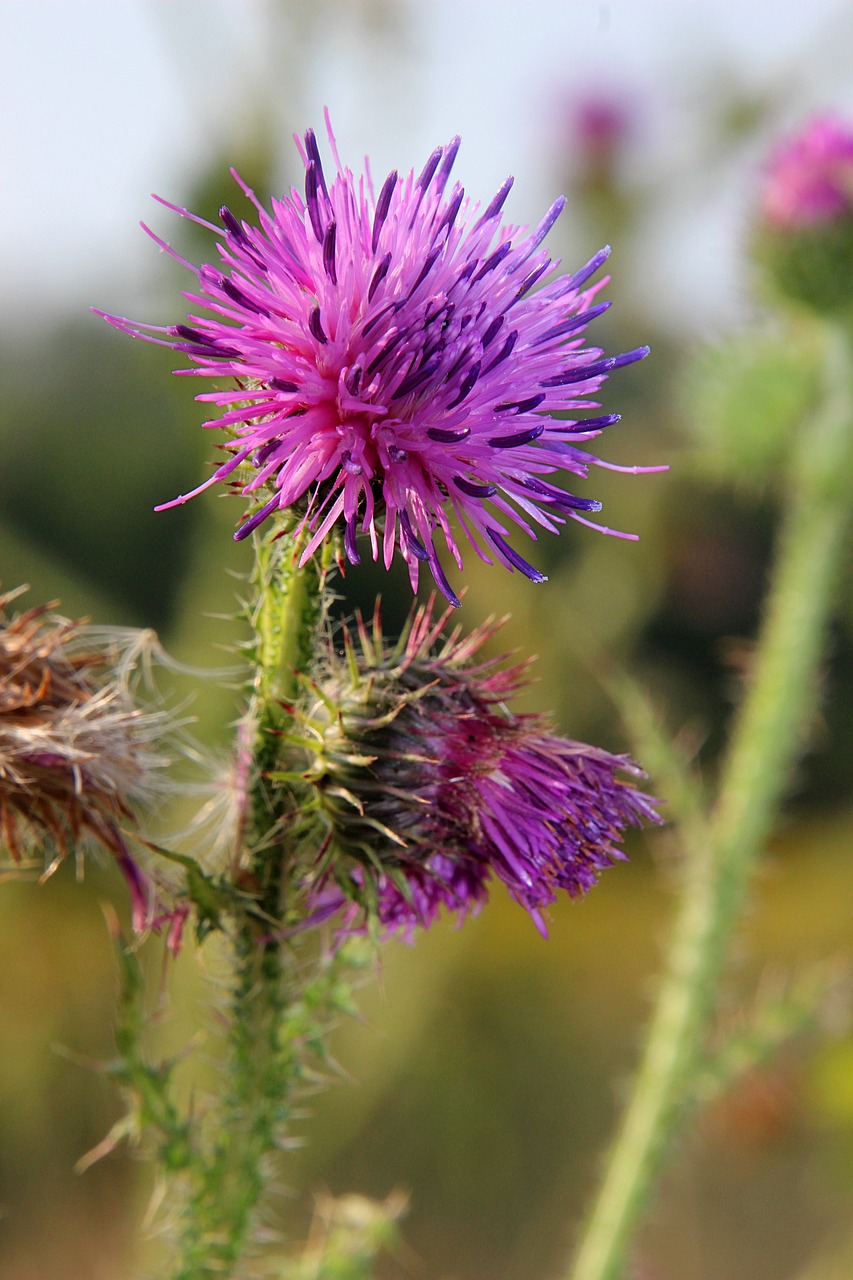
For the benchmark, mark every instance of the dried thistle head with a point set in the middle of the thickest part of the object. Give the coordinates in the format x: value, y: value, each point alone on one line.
x: 77, y: 754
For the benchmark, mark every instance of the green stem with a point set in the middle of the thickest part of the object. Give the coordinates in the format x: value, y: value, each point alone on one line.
x: 227, y: 1178
x: 719, y: 857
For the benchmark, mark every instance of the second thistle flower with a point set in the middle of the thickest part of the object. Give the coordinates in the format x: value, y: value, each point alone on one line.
x: 399, y: 364
x: 422, y: 786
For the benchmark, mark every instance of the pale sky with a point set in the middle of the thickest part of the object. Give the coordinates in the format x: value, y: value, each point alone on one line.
x: 104, y: 101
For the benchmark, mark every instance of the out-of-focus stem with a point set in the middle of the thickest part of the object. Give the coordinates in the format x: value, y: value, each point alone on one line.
x: 766, y: 738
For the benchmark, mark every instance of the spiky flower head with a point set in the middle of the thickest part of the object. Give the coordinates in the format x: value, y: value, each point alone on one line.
x: 76, y: 753
x: 805, y: 234
x: 426, y: 786
x: 396, y: 365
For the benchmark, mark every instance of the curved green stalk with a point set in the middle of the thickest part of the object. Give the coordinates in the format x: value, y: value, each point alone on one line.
x: 719, y: 856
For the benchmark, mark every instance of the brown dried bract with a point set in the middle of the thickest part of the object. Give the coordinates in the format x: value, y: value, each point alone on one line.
x: 73, y: 747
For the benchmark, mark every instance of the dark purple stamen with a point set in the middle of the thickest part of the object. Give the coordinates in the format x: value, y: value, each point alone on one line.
x: 588, y: 424
x: 435, y: 344
x: 396, y: 454
x: 442, y: 436
x: 350, y: 542
x: 378, y: 318
x: 206, y: 353
x: 316, y: 327
x: 385, y: 351
x: 496, y: 205
x: 191, y: 335
x: 415, y: 379
x: 597, y: 260
x: 283, y: 384
x: 352, y: 380
x: 231, y: 224
x: 519, y: 438
x: 514, y: 558
x: 312, y: 201
x: 560, y: 497
x: 530, y: 280
x: 424, y: 271
x: 504, y: 352
x: 383, y: 204
x: 236, y: 294
x: 314, y: 154
x: 465, y: 274
x: 441, y: 580
x: 573, y: 322
x: 596, y: 369
x: 258, y: 518
x: 493, y: 261
x: 452, y: 210
x: 378, y: 276
x: 441, y: 307
x: 429, y: 168
x: 352, y: 468
x: 418, y: 550
x: 492, y: 331
x: 198, y: 344
x: 546, y: 224
x: 264, y: 453
x: 467, y: 383
x: 450, y: 153
x: 329, y: 251
x: 474, y: 490
x: 521, y: 406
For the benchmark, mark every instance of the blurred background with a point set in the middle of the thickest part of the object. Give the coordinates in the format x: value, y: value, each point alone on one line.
x: 487, y: 1072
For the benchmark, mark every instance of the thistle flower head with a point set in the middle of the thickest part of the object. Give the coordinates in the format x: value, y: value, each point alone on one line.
x: 804, y: 237
x: 399, y: 373
x: 810, y: 176
x: 76, y: 753
x: 427, y: 786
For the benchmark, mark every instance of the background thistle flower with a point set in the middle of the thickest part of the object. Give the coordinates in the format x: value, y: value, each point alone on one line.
x: 427, y: 786
x: 805, y: 234
x: 76, y: 753
x: 394, y: 367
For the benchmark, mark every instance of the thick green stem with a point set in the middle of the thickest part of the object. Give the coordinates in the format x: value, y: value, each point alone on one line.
x: 718, y: 860
x: 228, y: 1177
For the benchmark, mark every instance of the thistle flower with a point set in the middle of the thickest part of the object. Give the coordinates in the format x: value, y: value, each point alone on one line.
x: 810, y: 176
x: 394, y: 366
x: 76, y: 753
x: 804, y: 236
x: 427, y: 787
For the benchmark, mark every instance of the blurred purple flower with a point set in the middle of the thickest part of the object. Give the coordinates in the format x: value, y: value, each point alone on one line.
x: 601, y: 125
x: 428, y: 787
x: 810, y: 176
x: 394, y: 365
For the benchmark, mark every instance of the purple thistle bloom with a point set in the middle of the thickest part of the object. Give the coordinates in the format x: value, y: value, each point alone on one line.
x: 809, y: 178
x: 428, y: 787
x: 395, y: 367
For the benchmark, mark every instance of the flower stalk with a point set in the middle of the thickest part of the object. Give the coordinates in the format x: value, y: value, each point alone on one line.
x: 264, y: 1061
x: 719, y: 857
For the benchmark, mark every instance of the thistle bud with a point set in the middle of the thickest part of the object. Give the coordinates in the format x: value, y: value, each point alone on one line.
x: 426, y: 786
